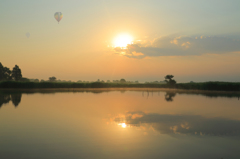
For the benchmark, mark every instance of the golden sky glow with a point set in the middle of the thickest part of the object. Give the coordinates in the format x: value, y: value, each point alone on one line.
x: 164, y: 39
x: 123, y: 40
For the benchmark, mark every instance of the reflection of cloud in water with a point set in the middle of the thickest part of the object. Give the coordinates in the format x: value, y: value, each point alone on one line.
x: 183, y: 124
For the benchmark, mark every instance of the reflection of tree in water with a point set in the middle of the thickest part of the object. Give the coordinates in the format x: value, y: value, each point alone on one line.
x: 6, y: 98
x: 169, y: 96
x: 16, y: 99
x: 122, y: 91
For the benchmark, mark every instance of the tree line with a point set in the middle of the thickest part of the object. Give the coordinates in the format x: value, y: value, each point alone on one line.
x: 16, y: 75
x: 8, y: 75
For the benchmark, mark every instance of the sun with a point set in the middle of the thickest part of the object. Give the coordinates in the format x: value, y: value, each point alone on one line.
x: 124, y: 125
x: 122, y: 40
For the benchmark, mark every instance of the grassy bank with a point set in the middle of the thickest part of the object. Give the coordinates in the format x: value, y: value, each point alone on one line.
x: 212, y: 86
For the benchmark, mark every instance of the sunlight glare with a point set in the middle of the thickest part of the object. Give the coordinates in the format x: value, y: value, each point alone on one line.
x: 123, y: 125
x: 123, y: 40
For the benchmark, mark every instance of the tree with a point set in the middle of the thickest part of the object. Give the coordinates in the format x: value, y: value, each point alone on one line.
x: 16, y: 73
x: 52, y: 79
x: 122, y: 80
x: 5, y: 73
x: 1, y: 72
x: 23, y: 79
x: 36, y: 80
x: 169, y: 80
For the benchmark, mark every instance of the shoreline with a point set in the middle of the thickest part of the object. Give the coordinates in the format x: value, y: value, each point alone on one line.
x: 225, y: 87
x: 118, y: 89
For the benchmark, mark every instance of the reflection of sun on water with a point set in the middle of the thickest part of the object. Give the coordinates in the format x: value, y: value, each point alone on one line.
x: 123, y: 40
x: 123, y: 125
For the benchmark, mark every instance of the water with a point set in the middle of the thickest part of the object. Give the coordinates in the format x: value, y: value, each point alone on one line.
x: 119, y: 124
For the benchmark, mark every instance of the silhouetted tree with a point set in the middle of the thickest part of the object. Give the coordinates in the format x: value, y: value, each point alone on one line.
x: 36, y: 80
x: 16, y: 99
x: 16, y: 73
x: 169, y: 80
x: 5, y: 73
x: 122, y: 80
x: 52, y: 79
x: 1, y: 72
x: 23, y: 79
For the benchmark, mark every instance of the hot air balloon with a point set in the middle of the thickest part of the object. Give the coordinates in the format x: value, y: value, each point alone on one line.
x: 27, y: 34
x: 58, y: 16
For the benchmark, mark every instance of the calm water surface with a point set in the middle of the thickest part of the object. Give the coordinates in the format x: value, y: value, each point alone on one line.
x: 119, y: 124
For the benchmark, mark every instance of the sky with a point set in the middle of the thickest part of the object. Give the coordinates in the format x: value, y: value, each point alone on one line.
x: 131, y: 39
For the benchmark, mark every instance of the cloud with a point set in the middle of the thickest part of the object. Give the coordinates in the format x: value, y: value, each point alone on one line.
x: 183, y: 124
x: 181, y: 46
